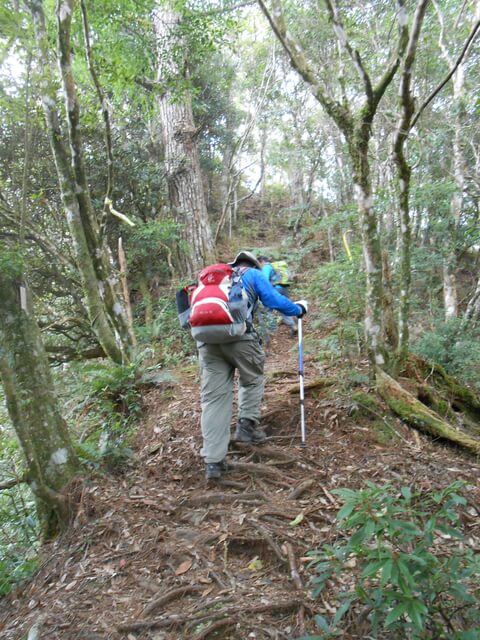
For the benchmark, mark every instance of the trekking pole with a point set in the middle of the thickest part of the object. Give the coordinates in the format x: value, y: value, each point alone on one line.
x: 300, y: 372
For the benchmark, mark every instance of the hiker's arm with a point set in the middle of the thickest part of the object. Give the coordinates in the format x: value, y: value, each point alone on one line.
x: 270, y: 297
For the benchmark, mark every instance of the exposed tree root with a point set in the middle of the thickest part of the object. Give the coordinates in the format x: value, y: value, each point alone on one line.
x: 268, y: 539
x: 173, y: 594
x: 273, y: 376
x: 293, y: 566
x: 219, y: 624
x: 266, y: 451
x: 224, y: 498
x: 260, y: 469
x: 301, y: 488
x: 270, y: 607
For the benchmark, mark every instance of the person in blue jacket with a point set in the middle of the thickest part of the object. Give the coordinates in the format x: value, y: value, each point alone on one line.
x: 218, y: 363
x: 270, y: 274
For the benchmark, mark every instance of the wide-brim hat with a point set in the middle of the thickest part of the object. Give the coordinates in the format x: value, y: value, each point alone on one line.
x: 245, y: 256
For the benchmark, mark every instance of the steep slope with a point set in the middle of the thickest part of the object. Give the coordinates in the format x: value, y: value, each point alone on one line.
x: 157, y: 553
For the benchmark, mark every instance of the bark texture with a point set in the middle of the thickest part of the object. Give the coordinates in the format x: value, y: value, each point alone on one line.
x: 182, y: 164
x: 99, y: 281
x: 32, y: 406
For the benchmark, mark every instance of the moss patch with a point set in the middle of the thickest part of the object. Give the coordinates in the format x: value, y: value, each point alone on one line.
x: 364, y: 404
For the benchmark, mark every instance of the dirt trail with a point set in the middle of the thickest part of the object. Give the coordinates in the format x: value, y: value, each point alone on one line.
x: 157, y: 553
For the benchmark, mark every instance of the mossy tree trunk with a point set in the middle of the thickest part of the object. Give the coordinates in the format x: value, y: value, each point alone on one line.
x: 100, y: 283
x: 42, y: 432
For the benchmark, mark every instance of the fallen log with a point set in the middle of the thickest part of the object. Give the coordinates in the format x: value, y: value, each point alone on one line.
x: 415, y: 413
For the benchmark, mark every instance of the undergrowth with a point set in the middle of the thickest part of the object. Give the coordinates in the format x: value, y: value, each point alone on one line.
x: 403, y: 567
x: 18, y: 523
x: 456, y: 346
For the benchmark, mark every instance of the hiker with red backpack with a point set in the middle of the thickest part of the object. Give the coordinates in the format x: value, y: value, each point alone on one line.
x: 219, y: 311
x: 277, y: 273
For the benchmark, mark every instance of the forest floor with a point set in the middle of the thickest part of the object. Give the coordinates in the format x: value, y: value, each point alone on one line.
x: 157, y: 552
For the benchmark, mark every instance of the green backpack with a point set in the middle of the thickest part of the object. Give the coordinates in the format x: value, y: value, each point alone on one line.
x: 281, y: 275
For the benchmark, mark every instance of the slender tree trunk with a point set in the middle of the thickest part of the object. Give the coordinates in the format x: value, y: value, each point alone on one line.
x: 182, y: 163
x: 372, y: 254
x: 404, y: 173
x: 456, y: 206
x: 33, y: 408
x: 450, y: 262
x: 143, y: 285
x: 331, y: 246
x: 473, y: 307
x: 390, y: 323
x: 297, y: 174
x: 99, y: 282
x: 263, y: 147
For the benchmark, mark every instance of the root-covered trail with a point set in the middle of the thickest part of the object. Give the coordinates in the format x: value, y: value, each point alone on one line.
x: 158, y: 553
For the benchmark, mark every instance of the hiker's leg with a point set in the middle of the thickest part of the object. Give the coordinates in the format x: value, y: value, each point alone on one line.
x: 290, y: 321
x: 217, y: 396
x: 249, y: 360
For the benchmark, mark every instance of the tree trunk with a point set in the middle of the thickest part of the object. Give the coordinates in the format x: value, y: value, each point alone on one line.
x: 182, y: 163
x: 404, y: 236
x: 372, y: 254
x: 33, y: 408
x: 391, y: 328
x: 456, y: 205
x: 99, y: 282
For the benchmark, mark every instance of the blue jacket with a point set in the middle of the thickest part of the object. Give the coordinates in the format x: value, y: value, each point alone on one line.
x: 258, y: 287
x: 269, y: 273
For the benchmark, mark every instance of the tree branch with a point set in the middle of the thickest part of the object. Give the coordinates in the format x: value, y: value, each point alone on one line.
x: 473, y: 34
x: 387, y: 77
x: 338, y: 112
x: 13, y: 482
x: 45, y: 244
x: 405, y: 83
x: 104, y: 107
x: 341, y: 36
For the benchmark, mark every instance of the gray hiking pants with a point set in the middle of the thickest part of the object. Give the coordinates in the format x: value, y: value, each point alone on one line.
x: 217, y: 367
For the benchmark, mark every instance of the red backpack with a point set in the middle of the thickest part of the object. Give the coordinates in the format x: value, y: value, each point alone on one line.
x: 219, y: 305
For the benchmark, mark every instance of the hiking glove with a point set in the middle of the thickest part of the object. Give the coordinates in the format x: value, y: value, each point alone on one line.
x: 303, y: 304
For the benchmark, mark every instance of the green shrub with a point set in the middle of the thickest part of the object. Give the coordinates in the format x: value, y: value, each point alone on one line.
x: 339, y: 288
x: 456, y: 346
x: 110, y: 406
x: 18, y: 537
x: 150, y: 244
x: 171, y: 343
x: 404, y: 558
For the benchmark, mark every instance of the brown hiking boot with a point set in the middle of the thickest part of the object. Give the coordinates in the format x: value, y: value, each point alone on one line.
x: 247, y: 431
